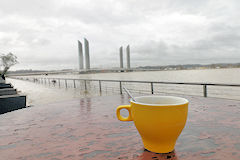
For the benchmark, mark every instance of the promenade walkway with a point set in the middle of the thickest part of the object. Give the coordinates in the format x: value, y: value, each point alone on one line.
x: 87, y: 128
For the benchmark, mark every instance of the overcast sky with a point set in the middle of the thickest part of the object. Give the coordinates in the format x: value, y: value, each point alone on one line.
x: 43, y: 34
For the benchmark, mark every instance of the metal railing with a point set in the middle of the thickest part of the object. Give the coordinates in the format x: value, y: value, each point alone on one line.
x: 151, y: 89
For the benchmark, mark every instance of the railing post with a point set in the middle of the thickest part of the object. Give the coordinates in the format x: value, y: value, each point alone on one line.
x: 48, y: 81
x: 100, y: 87
x: 74, y: 85
x: 152, y: 87
x: 59, y: 82
x: 85, y: 84
x: 66, y: 83
x: 120, y: 85
x: 205, y: 90
x: 45, y: 80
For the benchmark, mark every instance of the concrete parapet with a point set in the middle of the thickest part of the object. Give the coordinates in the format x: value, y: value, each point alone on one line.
x: 10, y: 103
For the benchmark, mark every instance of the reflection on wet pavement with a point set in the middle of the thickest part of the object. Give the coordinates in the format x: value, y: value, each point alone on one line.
x: 87, y: 128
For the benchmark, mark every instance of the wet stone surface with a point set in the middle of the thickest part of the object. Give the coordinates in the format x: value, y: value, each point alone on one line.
x: 88, y: 129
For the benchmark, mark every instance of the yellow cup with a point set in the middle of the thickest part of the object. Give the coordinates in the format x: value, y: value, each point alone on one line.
x: 158, y: 119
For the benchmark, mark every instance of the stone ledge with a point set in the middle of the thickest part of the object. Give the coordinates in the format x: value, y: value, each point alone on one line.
x: 10, y: 103
x: 8, y: 91
x: 5, y: 85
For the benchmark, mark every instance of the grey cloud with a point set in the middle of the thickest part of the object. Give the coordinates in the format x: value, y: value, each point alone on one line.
x: 33, y: 39
x: 151, y: 51
x: 102, y: 13
x: 166, y: 7
x: 33, y: 8
x: 6, y: 41
x: 45, y: 32
x: 221, y: 47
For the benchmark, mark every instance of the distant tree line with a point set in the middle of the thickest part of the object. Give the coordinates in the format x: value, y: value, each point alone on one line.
x: 193, y: 66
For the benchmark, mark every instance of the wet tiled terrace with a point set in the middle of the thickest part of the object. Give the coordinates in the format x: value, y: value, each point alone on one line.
x: 88, y: 129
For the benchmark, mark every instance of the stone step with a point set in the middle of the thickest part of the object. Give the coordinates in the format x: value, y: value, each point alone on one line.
x: 7, y: 91
x: 10, y: 103
x: 5, y: 85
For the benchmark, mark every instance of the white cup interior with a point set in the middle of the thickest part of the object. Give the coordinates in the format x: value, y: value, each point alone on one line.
x: 160, y: 100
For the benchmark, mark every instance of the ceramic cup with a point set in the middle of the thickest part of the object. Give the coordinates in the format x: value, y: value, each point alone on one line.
x: 158, y: 119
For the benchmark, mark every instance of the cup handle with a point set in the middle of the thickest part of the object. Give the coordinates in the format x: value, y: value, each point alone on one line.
x: 121, y: 118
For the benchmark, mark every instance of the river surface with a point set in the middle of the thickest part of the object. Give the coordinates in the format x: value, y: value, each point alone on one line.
x: 40, y: 93
x: 206, y: 75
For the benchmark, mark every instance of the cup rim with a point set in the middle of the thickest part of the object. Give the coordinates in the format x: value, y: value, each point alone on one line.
x: 161, y: 105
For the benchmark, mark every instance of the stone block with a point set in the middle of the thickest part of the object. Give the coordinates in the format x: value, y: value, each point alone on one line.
x: 5, y: 85
x: 10, y: 103
x: 7, y: 91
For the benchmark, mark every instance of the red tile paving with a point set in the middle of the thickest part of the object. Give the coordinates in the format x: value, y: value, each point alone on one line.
x: 88, y: 129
